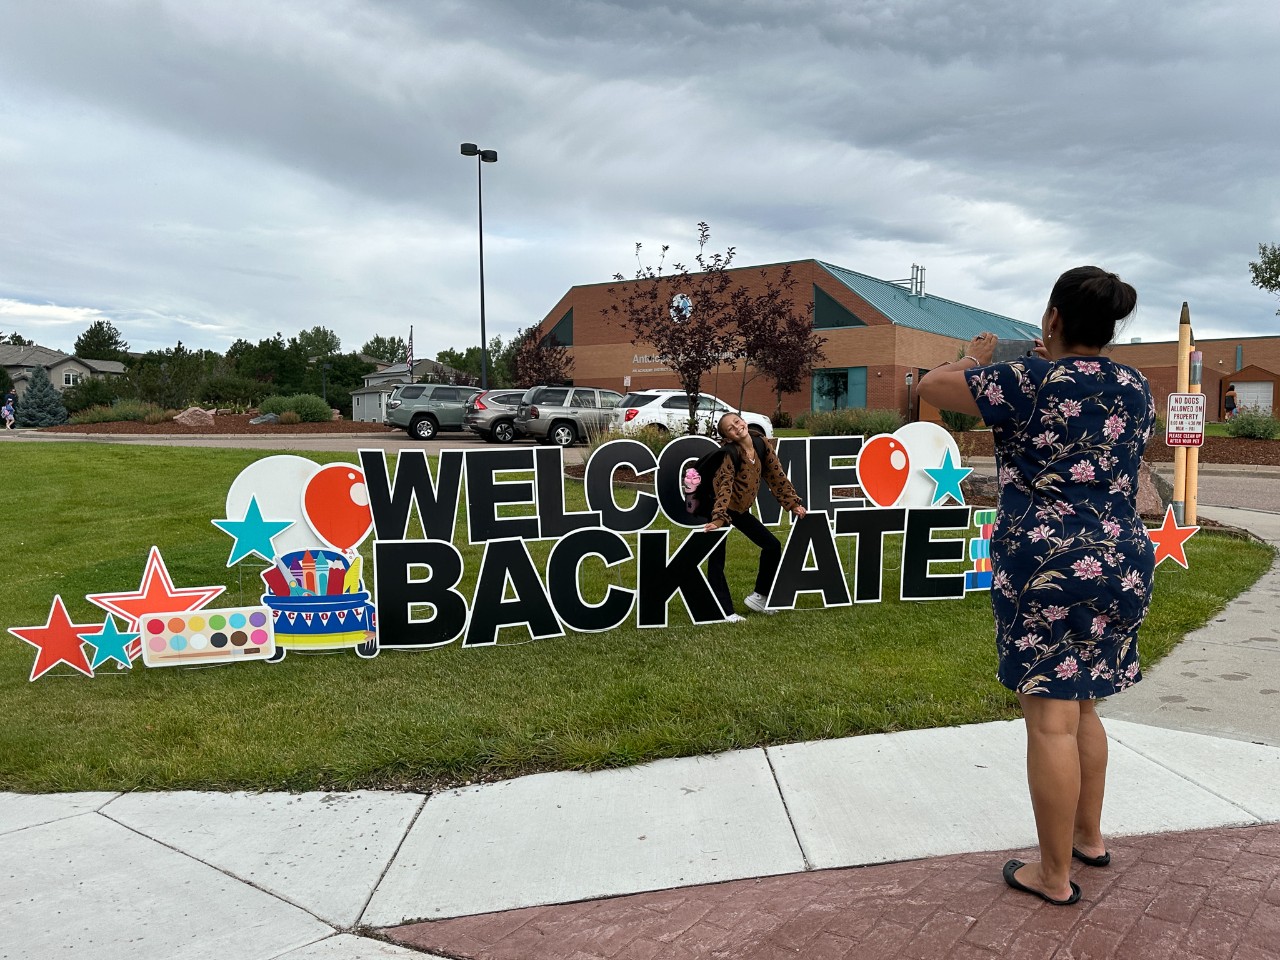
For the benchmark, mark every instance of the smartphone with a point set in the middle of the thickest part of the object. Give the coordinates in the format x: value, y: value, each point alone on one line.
x: 1012, y: 350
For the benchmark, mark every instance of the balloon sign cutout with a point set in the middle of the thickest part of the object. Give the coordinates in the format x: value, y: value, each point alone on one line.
x: 883, y: 469
x: 336, y: 505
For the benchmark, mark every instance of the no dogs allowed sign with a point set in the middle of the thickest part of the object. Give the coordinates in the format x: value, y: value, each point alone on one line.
x: 1184, y: 419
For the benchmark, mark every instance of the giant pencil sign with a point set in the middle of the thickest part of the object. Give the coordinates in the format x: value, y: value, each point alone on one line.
x: 904, y: 479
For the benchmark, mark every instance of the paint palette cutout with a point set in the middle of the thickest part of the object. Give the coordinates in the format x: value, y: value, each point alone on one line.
x: 198, y: 637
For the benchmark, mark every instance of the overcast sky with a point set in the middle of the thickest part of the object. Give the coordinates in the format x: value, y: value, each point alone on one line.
x: 206, y: 171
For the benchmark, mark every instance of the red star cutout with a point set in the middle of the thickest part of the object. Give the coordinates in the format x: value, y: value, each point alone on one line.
x: 1171, y: 540
x: 58, y: 642
x: 156, y: 594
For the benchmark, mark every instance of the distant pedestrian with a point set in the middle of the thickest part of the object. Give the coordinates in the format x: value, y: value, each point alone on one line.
x: 7, y: 412
x: 1073, y: 563
x: 1229, y: 401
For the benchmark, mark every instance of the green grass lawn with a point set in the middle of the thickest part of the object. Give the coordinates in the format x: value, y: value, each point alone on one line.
x: 83, y: 516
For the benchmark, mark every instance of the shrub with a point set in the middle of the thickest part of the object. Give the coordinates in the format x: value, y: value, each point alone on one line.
x: 89, y: 392
x: 655, y: 438
x: 854, y: 421
x: 1253, y: 424
x: 781, y: 420
x: 958, y: 422
x: 308, y: 407
x: 290, y: 417
x: 118, y: 412
x: 158, y: 415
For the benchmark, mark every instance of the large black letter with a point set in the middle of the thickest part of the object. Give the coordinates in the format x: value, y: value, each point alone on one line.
x: 553, y: 521
x: 810, y: 532
x: 599, y: 485
x: 509, y: 560
x: 671, y: 473
x: 485, y: 493
x: 823, y: 474
x: 566, y: 589
x: 398, y: 592
x: 919, y: 549
x: 793, y: 454
x: 870, y: 527
x: 659, y: 579
x: 437, y: 500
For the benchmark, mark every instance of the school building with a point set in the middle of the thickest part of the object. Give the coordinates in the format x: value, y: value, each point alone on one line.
x: 881, y: 337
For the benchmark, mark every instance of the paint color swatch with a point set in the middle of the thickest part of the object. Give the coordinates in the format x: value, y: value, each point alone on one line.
x: 202, y: 637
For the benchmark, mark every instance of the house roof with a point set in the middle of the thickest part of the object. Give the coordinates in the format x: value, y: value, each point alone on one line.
x: 929, y: 313
x: 32, y: 356
x: 103, y: 366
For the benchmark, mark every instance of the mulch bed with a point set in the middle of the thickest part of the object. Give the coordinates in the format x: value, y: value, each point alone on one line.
x: 224, y: 423
x: 978, y: 444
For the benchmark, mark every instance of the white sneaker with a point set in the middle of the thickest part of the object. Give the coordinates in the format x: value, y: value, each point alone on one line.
x: 735, y: 618
x: 756, y: 602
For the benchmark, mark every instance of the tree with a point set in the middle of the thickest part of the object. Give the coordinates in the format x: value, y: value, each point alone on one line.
x: 91, y: 392
x: 774, y: 337
x: 6, y: 381
x: 101, y: 341
x: 318, y: 342
x: 687, y: 318
x: 386, y: 349
x: 41, y: 405
x: 465, y: 362
x: 16, y: 339
x: 539, y: 359
x: 173, y: 378
x: 1266, y: 269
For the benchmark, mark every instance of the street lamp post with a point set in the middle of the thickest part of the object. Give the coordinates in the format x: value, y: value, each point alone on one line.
x: 908, y: 379
x: 482, y: 157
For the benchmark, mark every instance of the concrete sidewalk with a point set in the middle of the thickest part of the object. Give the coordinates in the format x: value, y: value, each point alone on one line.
x: 311, y: 876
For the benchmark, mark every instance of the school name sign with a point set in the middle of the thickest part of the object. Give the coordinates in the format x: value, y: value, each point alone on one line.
x: 419, y: 603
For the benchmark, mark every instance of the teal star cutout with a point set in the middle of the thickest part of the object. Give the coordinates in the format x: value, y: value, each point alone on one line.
x: 109, y: 644
x: 253, y: 534
x: 946, y: 479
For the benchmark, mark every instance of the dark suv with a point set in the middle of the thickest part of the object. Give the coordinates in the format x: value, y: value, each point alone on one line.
x: 564, y: 415
x: 424, y: 409
x: 492, y: 415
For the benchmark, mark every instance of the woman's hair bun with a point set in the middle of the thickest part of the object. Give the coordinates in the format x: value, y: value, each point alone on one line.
x: 1091, y: 301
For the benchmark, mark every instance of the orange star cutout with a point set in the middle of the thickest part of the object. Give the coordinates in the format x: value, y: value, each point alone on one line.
x: 156, y: 594
x: 1171, y: 540
x: 58, y: 642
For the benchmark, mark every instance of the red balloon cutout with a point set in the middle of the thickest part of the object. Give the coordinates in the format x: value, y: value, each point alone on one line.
x: 883, y: 469
x: 336, y: 505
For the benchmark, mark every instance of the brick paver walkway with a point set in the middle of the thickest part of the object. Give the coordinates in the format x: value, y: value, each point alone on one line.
x: 1205, y: 895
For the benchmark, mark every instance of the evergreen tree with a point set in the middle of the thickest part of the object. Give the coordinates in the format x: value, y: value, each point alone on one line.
x: 101, y: 341
x: 41, y: 405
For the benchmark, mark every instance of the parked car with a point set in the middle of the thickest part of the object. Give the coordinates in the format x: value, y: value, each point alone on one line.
x: 564, y: 415
x: 668, y: 409
x: 492, y: 414
x: 424, y: 409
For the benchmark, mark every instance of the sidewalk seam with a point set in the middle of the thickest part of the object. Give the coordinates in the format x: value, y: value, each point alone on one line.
x: 227, y: 873
x: 1258, y: 818
x: 804, y: 855
x: 413, y: 822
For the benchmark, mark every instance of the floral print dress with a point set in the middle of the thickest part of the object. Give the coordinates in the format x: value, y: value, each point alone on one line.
x: 1072, y: 561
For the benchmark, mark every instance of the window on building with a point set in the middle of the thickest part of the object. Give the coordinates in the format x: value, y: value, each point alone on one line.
x: 70, y: 379
x: 828, y: 312
x: 839, y: 388
x: 561, y: 334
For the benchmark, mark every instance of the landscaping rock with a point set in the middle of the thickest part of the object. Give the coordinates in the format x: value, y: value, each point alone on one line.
x: 195, y: 417
x: 265, y: 419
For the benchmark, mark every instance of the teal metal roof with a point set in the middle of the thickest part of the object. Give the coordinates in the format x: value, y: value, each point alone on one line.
x: 930, y: 313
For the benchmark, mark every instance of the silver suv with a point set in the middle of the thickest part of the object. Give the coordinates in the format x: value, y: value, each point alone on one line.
x: 492, y: 415
x: 424, y: 409
x: 564, y: 415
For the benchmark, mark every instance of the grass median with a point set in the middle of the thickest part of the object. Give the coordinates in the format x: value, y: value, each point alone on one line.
x: 81, y: 518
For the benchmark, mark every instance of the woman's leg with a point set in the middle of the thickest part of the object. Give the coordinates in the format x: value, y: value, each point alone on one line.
x: 716, y: 578
x: 1053, y: 774
x: 1091, y: 742
x: 770, y: 549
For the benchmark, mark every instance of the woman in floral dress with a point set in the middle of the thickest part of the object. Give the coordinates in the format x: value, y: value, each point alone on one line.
x: 1072, y: 561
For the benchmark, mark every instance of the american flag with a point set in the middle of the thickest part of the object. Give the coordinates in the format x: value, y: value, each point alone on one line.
x: 408, y: 359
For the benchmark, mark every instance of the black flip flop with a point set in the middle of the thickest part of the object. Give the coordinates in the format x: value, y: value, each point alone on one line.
x: 1013, y: 866
x: 1089, y: 861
